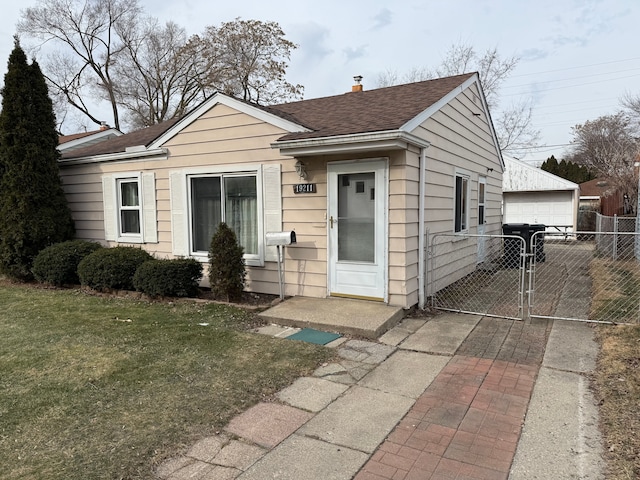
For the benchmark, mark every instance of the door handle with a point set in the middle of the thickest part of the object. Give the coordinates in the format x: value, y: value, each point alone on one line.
x: 331, y: 221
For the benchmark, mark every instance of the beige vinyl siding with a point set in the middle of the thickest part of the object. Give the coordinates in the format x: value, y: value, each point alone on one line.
x: 221, y: 137
x: 460, y: 142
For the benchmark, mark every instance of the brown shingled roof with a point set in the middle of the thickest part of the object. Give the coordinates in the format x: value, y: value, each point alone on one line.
x: 366, y: 111
x: 369, y: 110
x: 74, y: 136
x: 119, y: 144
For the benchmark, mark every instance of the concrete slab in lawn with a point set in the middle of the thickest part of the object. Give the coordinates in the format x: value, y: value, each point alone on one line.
x: 302, y: 458
x: 267, y: 424
x: 311, y: 394
x: 360, y: 419
x: 405, y: 373
x: 239, y: 455
x: 571, y: 347
x: 442, y: 334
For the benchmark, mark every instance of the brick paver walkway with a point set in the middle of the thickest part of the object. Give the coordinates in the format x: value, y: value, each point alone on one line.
x: 467, y: 423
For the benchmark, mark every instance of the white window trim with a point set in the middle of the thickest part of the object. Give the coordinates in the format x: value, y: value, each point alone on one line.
x: 129, y: 237
x: 147, y: 208
x: 482, y: 180
x: 465, y: 176
x: 183, y: 245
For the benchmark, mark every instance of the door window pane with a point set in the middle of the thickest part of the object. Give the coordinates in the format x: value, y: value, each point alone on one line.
x: 356, y: 218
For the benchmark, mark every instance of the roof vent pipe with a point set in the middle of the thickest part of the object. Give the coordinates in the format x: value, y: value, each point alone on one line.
x: 358, y: 86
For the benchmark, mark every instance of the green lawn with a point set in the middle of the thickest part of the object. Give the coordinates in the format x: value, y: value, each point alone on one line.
x: 94, y: 387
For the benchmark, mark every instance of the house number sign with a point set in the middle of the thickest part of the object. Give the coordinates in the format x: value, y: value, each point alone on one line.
x: 304, y: 188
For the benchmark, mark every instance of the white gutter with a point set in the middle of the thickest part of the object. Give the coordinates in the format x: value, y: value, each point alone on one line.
x: 421, y: 229
x: 133, y: 154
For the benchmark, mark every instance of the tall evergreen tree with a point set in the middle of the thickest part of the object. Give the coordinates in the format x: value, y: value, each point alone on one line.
x: 33, y: 207
x: 568, y: 170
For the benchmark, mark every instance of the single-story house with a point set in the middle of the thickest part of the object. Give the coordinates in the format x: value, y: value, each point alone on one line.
x: 532, y: 195
x: 67, y: 143
x: 363, y: 178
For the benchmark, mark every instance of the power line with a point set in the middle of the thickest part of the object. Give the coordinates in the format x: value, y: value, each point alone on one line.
x: 575, y: 68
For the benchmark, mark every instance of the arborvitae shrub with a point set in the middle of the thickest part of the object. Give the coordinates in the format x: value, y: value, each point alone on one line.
x: 112, y: 268
x: 58, y: 264
x: 177, y: 277
x: 226, y: 265
x: 33, y: 207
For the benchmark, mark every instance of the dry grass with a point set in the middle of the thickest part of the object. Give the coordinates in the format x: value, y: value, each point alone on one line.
x: 102, y: 388
x: 615, y: 290
x: 617, y: 386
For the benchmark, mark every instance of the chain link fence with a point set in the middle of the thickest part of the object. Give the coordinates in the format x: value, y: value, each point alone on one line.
x: 477, y: 274
x: 589, y: 276
x: 574, y: 276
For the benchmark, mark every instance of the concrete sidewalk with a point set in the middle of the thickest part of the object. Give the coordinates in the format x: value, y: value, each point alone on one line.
x: 452, y: 396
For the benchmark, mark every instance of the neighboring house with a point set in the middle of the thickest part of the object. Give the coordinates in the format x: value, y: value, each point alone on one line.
x: 362, y: 178
x: 68, y: 143
x: 532, y: 195
x: 600, y: 196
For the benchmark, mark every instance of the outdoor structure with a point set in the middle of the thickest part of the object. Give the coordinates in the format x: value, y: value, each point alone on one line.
x: 600, y: 196
x: 68, y: 143
x: 534, y: 196
x: 363, y: 178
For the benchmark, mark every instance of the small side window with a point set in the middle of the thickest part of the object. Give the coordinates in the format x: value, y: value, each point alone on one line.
x: 461, y: 195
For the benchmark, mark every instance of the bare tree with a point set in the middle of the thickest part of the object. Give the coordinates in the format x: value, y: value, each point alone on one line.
x: 158, y: 75
x: 251, y: 61
x: 513, y: 124
x: 105, y: 50
x: 86, y: 31
x: 609, y: 146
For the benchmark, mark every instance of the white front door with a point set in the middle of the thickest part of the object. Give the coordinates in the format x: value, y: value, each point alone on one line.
x: 357, y: 226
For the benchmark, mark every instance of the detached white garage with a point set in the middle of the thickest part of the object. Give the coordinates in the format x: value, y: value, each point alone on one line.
x: 531, y: 195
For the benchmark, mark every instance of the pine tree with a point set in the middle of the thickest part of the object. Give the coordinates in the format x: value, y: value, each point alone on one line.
x: 33, y: 208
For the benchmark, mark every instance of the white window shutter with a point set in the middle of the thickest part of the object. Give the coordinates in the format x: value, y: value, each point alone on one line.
x: 272, y: 201
x: 110, y: 209
x: 179, y: 217
x: 149, y: 216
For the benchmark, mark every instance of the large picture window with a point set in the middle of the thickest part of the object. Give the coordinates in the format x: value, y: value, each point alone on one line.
x: 232, y: 199
x: 461, y: 218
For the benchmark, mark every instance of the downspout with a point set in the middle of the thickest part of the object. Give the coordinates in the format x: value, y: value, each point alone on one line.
x: 421, y: 229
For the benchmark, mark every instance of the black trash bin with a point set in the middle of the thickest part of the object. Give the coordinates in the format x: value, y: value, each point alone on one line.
x: 538, y: 240
x: 512, y: 246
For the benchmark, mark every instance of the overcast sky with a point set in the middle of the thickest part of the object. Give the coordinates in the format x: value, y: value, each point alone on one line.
x: 577, y: 57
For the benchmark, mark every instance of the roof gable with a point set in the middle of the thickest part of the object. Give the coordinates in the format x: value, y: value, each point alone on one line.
x: 367, y: 111
x: 522, y: 177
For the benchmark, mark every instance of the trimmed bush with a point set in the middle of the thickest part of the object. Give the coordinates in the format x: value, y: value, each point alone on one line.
x: 168, y: 278
x: 58, y: 264
x: 226, y: 265
x: 112, y: 268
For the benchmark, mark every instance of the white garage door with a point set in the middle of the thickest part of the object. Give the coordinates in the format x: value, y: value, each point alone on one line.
x: 548, y: 208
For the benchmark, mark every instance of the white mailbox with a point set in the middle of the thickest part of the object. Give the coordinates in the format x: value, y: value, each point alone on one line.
x: 281, y: 238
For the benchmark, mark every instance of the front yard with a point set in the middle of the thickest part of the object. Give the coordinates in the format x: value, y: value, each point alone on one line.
x: 105, y: 388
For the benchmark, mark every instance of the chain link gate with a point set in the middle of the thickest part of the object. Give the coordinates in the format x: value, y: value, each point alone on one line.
x: 585, y: 276
x: 479, y: 274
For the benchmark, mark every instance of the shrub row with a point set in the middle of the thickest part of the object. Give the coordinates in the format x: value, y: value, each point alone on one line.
x: 118, y: 268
